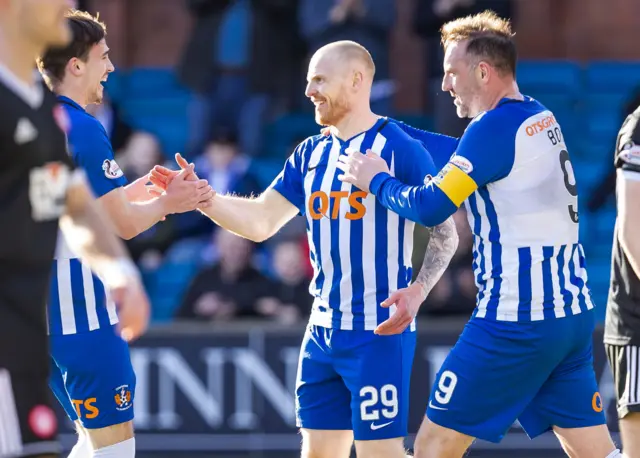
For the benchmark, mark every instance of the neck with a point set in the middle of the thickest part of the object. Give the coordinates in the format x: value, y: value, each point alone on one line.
x: 17, y: 53
x: 72, y: 93
x: 508, y: 91
x: 355, y: 123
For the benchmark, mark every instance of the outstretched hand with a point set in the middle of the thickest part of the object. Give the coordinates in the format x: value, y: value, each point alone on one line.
x: 161, y: 176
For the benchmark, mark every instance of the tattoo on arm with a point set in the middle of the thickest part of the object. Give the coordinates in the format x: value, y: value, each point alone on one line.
x: 443, y: 244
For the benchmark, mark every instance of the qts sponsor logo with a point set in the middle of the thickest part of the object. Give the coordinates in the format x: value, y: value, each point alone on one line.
x: 321, y: 204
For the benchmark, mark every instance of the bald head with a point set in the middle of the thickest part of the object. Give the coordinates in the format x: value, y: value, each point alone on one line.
x: 347, y: 56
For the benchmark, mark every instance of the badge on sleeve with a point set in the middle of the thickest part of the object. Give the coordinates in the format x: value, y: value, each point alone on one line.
x: 111, y: 169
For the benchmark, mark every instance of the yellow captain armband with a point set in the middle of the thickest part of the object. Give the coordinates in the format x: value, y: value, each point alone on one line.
x: 456, y: 184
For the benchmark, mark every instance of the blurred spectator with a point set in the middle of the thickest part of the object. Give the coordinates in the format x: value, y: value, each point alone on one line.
x: 230, y: 288
x: 228, y: 171
x: 455, y: 293
x: 290, y: 291
x: 368, y: 22
x: 241, y: 63
x: 429, y: 17
x: 139, y: 155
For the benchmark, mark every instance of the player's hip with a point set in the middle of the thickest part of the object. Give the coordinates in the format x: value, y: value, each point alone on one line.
x: 93, y: 350
x: 355, y: 316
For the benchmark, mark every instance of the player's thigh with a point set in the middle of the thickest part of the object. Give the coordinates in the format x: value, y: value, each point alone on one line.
x: 386, y: 448
x: 630, y: 435
x: 490, y: 376
x: 322, y: 399
x: 377, y: 371
x: 569, y: 398
x: 586, y: 442
x: 318, y: 443
x: 98, y: 376
x: 28, y: 425
x: 435, y: 441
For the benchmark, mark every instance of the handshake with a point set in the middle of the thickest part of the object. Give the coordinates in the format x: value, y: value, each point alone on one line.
x: 181, y: 191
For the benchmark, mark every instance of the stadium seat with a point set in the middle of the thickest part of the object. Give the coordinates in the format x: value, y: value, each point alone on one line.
x: 559, y: 77
x: 283, y: 134
x: 613, y: 77
x: 152, y: 82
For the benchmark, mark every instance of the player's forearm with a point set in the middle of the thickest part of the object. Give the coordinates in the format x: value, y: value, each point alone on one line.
x: 91, y: 236
x: 137, y: 191
x: 142, y: 216
x: 426, y: 205
x: 240, y: 215
x: 442, y: 245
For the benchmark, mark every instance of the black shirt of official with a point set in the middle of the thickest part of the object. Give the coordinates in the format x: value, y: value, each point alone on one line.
x: 622, y: 324
x: 35, y: 171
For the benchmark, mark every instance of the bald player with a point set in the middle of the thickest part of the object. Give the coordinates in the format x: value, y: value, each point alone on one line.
x: 356, y: 356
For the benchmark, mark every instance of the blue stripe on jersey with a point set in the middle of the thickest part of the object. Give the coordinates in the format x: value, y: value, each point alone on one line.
x: 382, y: 249
x: 355, y: 245
x: 547, y: 283
x: 496, y: 254
x: 575, y: 281
x: 566, y: 294
x: 78, y: 294
x: 478, y: 257
x: 316, y: 236
x: 101, y: 301
x: 524, y: 284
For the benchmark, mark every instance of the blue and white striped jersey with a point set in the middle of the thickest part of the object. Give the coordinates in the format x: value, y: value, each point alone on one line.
x: 78, y: 301
x: 512, y: 170
x: 360, y: 251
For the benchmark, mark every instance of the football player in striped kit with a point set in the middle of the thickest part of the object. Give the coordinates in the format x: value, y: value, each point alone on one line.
x: 526, y: 353
x: 356, y: 356
x: 92, y: 375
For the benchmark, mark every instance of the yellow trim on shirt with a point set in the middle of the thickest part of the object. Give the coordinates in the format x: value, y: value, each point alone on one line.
x: 456, y: 184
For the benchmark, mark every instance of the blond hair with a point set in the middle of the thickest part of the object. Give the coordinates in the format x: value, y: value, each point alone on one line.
x: 489, y: 38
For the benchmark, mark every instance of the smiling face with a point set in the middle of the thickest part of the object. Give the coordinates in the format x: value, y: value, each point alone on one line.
x: 461, y: 81
x: 96, y: 70
x: 328, y: 88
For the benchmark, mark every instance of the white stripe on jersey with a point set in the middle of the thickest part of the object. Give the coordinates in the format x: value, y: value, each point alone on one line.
x: 393, y: 222
x: 66, y: 297
x: 369, y: 243
x: 90, y: 298
x: 537, y: 285
x: 111, y: 310
x: 583, y: 274
x: 10, y: 435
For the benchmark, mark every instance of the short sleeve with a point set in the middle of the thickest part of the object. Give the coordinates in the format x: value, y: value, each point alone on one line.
x: 91, y: 150
x: 486, y: 151
x: 289, y: 182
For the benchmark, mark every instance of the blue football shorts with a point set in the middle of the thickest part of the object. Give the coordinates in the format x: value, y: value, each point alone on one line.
x: 92, y: 377
x: 540, y: 373
x: 355, y: 380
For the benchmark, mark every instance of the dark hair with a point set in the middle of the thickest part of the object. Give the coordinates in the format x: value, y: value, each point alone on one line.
x: 489, y: 37
x: 87, y: 31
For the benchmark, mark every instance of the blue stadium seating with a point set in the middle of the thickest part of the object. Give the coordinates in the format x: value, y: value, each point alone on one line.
x: 554, y: 77
x: 613, y: 77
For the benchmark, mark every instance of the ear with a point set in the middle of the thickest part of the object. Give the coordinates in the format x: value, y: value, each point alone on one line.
x: 75, y: 66
x: 358, y: 78
x: 483, y: 72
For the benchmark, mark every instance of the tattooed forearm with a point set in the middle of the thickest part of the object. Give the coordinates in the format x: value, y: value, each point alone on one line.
x: 441, y: 248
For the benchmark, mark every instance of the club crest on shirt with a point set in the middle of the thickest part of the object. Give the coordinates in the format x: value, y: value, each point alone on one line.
x: 123, y: 398
x: 428, y: 179
x: 630, y: 153
x: 462, y: 163
x: 111, y: 169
